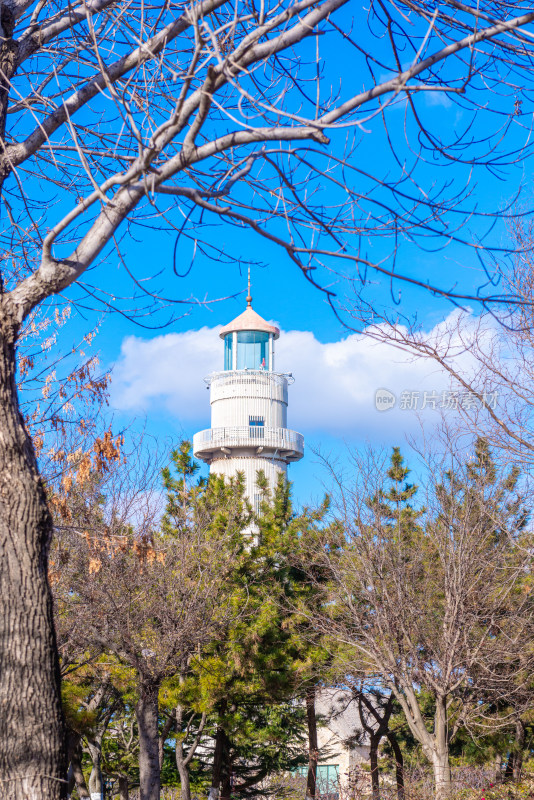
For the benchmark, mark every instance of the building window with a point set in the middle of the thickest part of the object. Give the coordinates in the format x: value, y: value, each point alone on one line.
x: 327, y: 778
x: 228, y: 351
x: 252, y: 350
x: 256, y: 427
x: 257, y: 504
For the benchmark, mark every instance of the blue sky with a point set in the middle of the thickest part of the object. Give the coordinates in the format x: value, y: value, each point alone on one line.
x: 158, y: 371
x: 158, y: 374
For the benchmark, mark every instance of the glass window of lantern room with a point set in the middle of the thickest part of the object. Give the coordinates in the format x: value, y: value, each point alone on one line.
x: 228, y: 351
x: 252, y: 350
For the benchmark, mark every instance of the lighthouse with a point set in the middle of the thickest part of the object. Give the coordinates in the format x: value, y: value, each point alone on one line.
x: 249, y: 408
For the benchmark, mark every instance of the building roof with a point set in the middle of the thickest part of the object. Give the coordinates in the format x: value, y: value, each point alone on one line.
x: 249, y: 321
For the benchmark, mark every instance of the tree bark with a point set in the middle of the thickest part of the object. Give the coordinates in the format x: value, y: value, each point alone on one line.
x: 373, y: 758
x: 519, y: 750
x: 218, y: 760
x: 73, y: 743
x: 76, y: 764
x: 399, y: 765
x: 442, y: 774
x: 183, y: 761
x: 226, y: 784
x: 440, y: 756
x: 498, y: 768
x: 313, y: 752
x: 33, y: 762
x: 147, y: 722
x: 95, y: 778
x: 185, y: 782
x: 8, y: 59
x: 124, y: 793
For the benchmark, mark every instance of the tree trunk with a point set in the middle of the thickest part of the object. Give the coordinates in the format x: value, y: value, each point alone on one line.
x: 169, y: 724
x: 442, y: 775
x: 73, y: 742
x: 226, y: 784
x: 147, y: 722
x: 33, y: 762
x: 373, y: 758
x: 311, y: 783
x: 123, y: 788
x: 71, y: 781
x: 95, y: 778
x: 76, y: 764
x: 183, y: 761
x: 399, y: 765
x: 440, y: 756
x: 519, y: 750
x: 182, y: 764
x: 509, y: 768
x: 498, y: 768
x: 185, y: 782
x: 218, y: 760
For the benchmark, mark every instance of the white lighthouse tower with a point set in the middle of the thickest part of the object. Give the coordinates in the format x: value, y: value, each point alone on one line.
x: 249, y: 407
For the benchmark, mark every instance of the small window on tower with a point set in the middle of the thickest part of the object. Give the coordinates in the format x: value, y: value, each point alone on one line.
x: 257, y: 504
x: 257, y: 426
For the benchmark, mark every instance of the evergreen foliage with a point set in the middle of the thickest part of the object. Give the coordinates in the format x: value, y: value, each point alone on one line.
x: 231, y: 621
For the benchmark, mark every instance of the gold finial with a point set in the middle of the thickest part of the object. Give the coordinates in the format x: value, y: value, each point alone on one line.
x: 249, y: 297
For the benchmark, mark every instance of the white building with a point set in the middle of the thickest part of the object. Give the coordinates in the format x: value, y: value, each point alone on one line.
x: 343, y: 746
x: 249, y: 407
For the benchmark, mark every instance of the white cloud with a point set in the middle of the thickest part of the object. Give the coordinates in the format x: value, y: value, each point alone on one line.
x: 437, y: 98
x: 167, y: 371
x: 335, y: 383
x: 334, y: 389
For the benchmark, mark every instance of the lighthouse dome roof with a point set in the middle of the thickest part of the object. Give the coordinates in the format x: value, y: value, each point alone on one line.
x: 249, y: 321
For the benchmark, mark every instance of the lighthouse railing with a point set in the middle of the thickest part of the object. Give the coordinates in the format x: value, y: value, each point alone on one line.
x: 248, y: 383
x: 248, y: 436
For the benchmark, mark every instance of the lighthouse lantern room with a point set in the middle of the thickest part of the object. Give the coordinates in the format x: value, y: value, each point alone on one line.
x: 249, y: 407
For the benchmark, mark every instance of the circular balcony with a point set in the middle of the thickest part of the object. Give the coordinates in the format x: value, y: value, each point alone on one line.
x: 281, y: 443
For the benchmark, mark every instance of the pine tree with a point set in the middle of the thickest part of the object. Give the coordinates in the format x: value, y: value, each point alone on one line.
x: 432, y: 600
x: 154, y: 599
x: 254, y: 681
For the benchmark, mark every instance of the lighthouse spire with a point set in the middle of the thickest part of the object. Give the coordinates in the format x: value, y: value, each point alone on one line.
x: 249, y: 296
